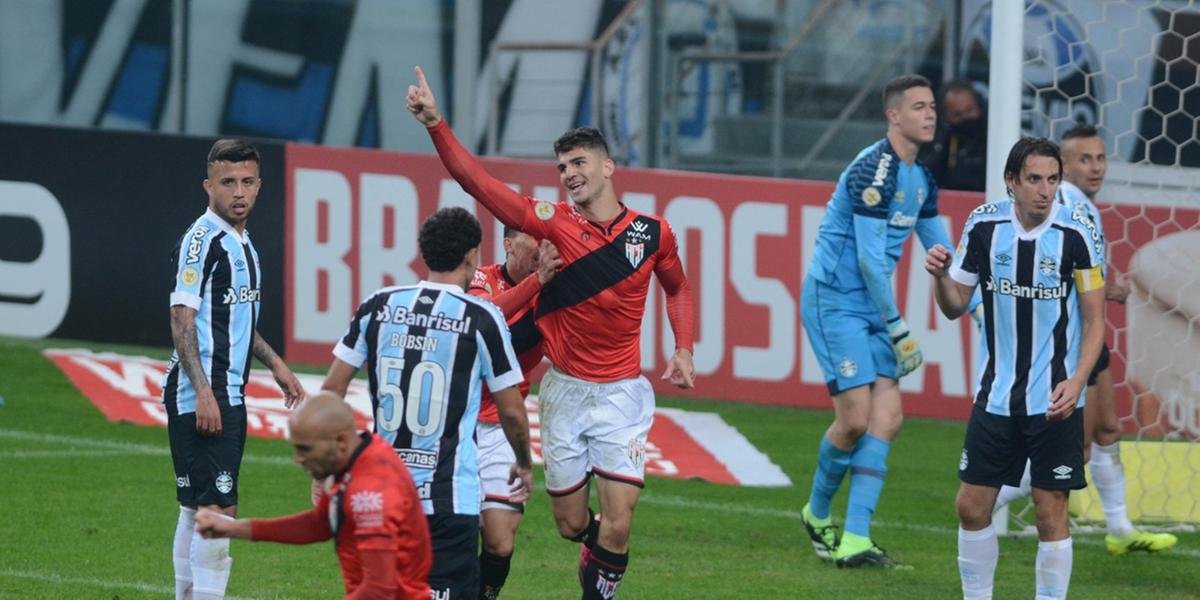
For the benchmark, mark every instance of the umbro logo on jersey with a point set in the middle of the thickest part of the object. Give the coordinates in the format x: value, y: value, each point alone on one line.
x: 1003, y: 260
x: 424, y: 299
x: 241, y: 295
x: 240, y: 264
x: 1062, y: 472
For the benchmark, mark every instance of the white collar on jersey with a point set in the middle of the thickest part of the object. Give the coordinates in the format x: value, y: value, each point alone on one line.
x: 224, y: 225
x: 449, y: 287
x: 1036, y: 231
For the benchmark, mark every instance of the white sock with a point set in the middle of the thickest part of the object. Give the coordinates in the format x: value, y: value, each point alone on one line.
x: 978, y: 552
x: 181, y: 553
x: 1109, y: 476
x: 1009, y: 493
x: 210, y: 568
x: 1053, y: 569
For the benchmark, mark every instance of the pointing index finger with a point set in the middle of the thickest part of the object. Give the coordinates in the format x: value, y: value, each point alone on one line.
x: 421, y: 78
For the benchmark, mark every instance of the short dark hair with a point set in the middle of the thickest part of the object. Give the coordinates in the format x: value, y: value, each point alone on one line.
x: 1081, y: 130
x: 447, y: 237
x: 1026, y: 147
x: 510, y: 233
x: 898, y: 85
x: 232, y: 150
x: 588, y: 138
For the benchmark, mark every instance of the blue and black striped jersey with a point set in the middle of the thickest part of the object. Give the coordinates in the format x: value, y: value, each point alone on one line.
x: 429, y: 348
x: 217, y: 273
x: 1030, y: 280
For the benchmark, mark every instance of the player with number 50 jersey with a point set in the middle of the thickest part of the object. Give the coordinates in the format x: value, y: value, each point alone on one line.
x: 429, y: 349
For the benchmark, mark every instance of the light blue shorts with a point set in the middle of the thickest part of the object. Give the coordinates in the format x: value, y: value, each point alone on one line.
x: 847, y: 335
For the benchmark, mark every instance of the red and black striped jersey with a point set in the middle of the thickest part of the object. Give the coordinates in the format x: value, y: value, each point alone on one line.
x: 493, y: 283
x: 590, y: 314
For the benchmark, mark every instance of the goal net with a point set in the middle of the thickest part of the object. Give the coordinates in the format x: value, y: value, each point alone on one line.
x: 1132, y: 67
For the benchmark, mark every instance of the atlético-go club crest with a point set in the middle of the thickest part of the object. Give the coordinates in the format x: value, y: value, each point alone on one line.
x: 635, y: 253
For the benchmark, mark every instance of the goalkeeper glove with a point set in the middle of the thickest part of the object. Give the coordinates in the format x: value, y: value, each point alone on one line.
x: 908, y: 353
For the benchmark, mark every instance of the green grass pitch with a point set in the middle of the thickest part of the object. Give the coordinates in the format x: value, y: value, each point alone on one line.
x: 87, y: 511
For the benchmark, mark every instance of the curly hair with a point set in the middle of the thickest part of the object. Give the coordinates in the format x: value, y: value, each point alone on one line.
x: 447, y: 236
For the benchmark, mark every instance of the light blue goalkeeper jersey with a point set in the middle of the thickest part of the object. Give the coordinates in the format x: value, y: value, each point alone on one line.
x: 878, y: 202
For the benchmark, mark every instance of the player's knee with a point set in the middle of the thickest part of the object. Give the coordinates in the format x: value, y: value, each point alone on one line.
x: 1107, y: 434
x: 614, y: 533
x: 500, y: 545
x: 570, y: 525
x: 851, y: 427
x: 972, y: 514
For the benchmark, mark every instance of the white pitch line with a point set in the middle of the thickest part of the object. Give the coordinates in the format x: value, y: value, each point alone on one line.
x: 660, y: 500
x: 56, y: 579
x: 122, y: 447
x: 72, y: 453
x: 680, y: 502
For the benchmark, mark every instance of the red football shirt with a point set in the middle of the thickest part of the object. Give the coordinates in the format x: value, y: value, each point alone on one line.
x: 493, y: 283
x: 373, y: 506
x: 590, y: 314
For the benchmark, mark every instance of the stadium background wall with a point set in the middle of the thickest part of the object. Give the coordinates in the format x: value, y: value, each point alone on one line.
x: 127, y: 198
x: 332, y: 224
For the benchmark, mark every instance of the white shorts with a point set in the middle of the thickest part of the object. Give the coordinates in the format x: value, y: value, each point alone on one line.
x: 593, y: 428
x: 495, y: 459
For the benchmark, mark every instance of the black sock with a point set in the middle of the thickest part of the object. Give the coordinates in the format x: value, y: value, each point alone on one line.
x: 603, y: 573
x: 588, y: 536
x: 493, y: 572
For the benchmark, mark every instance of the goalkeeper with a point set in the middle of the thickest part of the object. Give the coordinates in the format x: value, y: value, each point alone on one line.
x: 851, y: 320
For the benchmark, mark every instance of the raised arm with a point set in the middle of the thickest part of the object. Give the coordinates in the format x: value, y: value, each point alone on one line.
x: 511, y: 208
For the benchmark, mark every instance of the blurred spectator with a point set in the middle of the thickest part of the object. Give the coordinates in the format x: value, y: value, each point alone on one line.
x: 958, y: 154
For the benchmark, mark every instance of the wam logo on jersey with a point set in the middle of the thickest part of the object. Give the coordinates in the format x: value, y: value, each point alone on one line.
x: 242, y: 295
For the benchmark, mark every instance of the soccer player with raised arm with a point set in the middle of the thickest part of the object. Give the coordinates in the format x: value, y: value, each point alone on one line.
x: 513, y: 286
x: 429, y: 349
x: 214, y: 311
x: 1085, y: 163
x: 1040, y: 269
x: 596, y: 408
x: 853, y: 324
x: 367, y: 504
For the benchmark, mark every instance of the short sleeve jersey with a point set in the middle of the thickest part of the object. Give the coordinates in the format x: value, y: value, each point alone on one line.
x: 429, y: 349
x: 1030, y: 280
x: 217, y: 273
